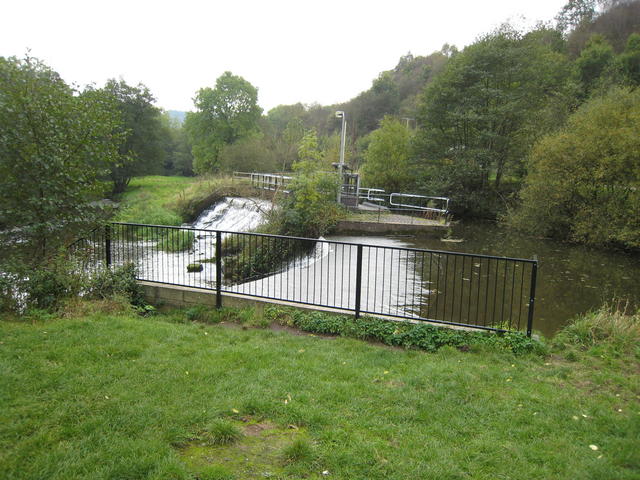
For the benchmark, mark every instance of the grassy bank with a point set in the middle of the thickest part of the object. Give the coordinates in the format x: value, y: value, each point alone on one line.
x: 162, y: 200
x: 122, y: 396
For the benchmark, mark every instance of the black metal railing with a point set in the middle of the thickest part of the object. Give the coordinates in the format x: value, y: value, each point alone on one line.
x: 471, y: 290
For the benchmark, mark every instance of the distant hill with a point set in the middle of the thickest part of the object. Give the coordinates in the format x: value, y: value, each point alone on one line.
x: 177, y: 115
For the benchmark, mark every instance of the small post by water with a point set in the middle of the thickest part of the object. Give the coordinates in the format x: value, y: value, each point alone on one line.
x: 107, y: 244
x: 218, y: 269
x: 532, y: 294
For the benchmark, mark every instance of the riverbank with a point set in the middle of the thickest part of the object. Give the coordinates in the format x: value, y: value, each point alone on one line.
x: 160, y: 200
x: 112, y: 394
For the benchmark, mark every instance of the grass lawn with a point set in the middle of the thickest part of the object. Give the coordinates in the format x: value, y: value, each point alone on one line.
x: 153, y: 200
x: 118, y: 396
x: 158, y: 200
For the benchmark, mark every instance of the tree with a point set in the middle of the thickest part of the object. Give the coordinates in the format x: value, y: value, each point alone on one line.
x: 482, y: 114
x: 309, y: 155
x: 252, y: 154
x: 142, y: 152
x: 178, y: 157
x: 56, y: 144
x: 387, y: 157
x: 630, y: 60
x: 224, y: 114
x: 584, y: 181
x: 594, y: 61
x: 576, y: 13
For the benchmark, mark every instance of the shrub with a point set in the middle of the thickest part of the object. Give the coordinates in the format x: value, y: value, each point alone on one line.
x: 119, y: 281
x: 421, y: 336
x: 51, y: 283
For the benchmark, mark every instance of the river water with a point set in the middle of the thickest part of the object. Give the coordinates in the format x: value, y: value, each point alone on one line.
x: 571, y: 279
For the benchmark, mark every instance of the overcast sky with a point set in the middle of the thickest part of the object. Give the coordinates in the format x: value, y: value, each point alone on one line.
x: 294, y: 51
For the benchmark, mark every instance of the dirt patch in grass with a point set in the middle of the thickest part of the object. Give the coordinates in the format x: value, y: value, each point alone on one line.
x: 259, y: 453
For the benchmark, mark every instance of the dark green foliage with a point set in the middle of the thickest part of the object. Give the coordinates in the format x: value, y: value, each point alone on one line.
x: 595, y: 60
x: 584, y: 182
x: 49, y: 285
x: 630, y: 60
x: 142, y: 152
x: 224, y: 115
x: 402, y: 334
x: 115, y: 282
x: 56, y: 144
x: 386, y: 160
x: 253, y: 154
x: 257, y: 259
x: 479, y: 117
x: 178, y: 159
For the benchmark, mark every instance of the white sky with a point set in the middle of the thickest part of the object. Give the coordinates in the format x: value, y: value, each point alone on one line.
x: 294, y: 51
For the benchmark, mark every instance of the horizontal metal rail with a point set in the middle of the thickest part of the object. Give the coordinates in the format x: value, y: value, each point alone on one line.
x: 464, y: 289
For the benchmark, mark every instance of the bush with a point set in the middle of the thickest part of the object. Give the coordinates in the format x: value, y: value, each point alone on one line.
x: 310, y: 210
x: 119, y: 281
x: 47, y: 285
x: 583, y: 183
x: 422, y: 336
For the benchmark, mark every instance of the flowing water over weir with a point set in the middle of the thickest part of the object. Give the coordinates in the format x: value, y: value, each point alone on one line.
x: 375, y: 275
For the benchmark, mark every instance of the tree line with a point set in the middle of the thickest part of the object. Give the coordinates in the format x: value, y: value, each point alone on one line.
x: 478, y: 125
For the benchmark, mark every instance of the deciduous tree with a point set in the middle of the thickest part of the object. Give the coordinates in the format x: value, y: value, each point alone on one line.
x: 223, y: 115
x: 56, y: 144
x: 584, y: 181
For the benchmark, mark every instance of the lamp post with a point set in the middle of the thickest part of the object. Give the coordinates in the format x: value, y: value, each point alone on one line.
x: 340, y: 114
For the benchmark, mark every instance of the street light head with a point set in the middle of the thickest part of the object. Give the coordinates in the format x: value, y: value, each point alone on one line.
x: 339, y: 114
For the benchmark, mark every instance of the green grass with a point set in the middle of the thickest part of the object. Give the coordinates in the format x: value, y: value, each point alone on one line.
x: 126, y: 397
x: 158, y: 200
x: 152, y: 200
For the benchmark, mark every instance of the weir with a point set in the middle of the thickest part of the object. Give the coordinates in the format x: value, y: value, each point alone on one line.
x: 342, y: 273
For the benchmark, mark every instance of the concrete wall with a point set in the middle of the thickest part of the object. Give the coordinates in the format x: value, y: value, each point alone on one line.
x: 158, y: 294
x: 176, y: 296
x: 346, y: 226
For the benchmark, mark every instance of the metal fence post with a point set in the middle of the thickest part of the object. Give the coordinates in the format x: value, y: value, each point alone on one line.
x: 358, y: 279
x: 532, y: 295
x: 218, y: 269
x: 107, y: 244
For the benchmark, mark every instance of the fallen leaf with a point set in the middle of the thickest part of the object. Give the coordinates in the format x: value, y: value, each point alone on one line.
x: 593, y: 447
x: 234, y: 410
